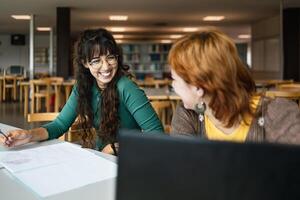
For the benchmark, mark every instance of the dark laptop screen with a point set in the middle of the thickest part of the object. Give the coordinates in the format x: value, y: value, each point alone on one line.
x: 168, y: 168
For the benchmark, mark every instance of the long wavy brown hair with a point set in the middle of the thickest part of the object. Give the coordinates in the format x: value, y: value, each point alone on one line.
x: 209, y: 59
x: 90, y: 43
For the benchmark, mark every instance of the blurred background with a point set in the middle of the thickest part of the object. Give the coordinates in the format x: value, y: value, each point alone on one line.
x: 145, y: 30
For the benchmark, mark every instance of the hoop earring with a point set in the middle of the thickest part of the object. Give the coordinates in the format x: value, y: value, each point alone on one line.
x: 200, y: 109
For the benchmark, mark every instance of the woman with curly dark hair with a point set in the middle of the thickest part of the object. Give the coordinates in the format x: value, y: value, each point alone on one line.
x: 104, y: 98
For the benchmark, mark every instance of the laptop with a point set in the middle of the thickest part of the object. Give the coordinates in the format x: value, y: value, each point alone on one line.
x: 160, y: 167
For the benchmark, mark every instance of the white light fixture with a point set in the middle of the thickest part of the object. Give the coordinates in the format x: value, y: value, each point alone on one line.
x: 190, y: 29
x: 119, y: 41
x: 244, y: 36
x: 43, y: 29
x: 175, y: 36
x: 213, y: 18
x: 118, y: 17
x: 117, y: 29
x: 166, y: 41
x: 21, y: 17
x: 118, y: 36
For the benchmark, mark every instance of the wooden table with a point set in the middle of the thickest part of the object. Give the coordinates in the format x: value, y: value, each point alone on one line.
x: 12, y: 188
x: 157, y: 83
x: 157, y: 93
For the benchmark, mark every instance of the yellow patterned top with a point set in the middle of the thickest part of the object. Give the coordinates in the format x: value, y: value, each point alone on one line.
x: 238, y: 135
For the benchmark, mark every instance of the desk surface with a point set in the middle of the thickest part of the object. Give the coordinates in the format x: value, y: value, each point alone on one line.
x: 11, y: 188
x: 160, y: 94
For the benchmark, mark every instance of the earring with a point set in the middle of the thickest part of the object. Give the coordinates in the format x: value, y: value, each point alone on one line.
x: 200, y: 109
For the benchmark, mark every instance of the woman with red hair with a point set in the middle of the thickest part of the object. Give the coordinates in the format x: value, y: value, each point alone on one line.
x: 219, y: 96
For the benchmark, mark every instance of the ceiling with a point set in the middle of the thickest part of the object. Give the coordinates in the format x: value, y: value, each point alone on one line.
x: 148, y: 19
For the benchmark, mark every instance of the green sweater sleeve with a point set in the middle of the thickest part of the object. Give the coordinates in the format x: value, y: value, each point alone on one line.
x: 65, y: 118
x: 139, y: 106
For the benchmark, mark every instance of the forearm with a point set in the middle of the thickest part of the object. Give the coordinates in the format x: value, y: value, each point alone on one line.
x: 38, y: 134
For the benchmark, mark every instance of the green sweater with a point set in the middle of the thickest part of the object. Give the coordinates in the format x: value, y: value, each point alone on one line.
x: 135, y: 111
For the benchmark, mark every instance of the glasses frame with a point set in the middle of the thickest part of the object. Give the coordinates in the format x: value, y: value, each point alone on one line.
x: 100, y: 64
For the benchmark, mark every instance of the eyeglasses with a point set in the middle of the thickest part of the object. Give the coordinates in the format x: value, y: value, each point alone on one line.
x: 97, y: 63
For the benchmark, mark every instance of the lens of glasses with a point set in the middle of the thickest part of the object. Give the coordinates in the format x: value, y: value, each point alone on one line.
x: 110, y: 59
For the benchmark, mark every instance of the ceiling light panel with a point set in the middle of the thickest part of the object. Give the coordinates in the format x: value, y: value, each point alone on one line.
x: 43, y: 29
x: 213, y: 18
x: 21, y: 17
x: 118, y: 17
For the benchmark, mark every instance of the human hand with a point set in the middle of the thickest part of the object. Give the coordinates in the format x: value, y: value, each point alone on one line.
x: 15, y: 138
x: 109, y: 150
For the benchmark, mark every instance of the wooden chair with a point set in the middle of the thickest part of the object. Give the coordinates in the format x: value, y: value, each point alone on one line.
x: 43, y: 117
x: 293, y: 95
x: 162, y: 108
x: 292, y: 86
x: 10, y: 83
x: 68, y: 85
x: 42, y: 88
x: 266, y: 84
x: 39, y: 89
x: 56, y: 82
x: 1, y: 83
x: 75, y: 131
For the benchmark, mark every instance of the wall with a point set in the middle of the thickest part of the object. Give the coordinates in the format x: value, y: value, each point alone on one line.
x: 12, y: 54
x: 19, y: 55
x: 266, y: 49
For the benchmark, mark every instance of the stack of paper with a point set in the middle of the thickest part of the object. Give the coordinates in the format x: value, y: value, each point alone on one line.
x: 56, y: 168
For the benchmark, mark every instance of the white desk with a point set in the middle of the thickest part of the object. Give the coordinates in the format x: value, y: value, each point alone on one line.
x: 11, y: 188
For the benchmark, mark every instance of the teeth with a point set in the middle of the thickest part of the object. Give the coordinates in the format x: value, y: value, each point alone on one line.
x: 105, y: 74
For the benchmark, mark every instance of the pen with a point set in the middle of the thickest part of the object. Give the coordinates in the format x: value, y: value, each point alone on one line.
x: 3, y: 134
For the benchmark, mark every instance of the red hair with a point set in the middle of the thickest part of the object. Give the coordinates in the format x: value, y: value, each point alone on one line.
x: 209, y: 59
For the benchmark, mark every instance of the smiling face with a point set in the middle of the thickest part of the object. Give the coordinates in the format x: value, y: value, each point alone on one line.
x: 103, y: 68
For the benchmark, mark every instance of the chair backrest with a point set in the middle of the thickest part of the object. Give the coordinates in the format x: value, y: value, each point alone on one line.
x: 283, y: 94
x: 289, y: 94
x: 56, y: 79
x: 42, y: 117
x: 271, y: 83
x: 37, y: 84
x: 40, y: 88
x: 292, y: 86
x: 9, y: 79
x: 10, y: 82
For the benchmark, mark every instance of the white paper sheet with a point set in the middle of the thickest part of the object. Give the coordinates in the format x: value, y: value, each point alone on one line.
x: 20, y: 160
x: 56, y: 168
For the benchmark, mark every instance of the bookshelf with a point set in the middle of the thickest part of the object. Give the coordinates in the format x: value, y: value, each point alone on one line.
x: 41, y: 59
x: 147, y: 59
x: 41, y: 56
